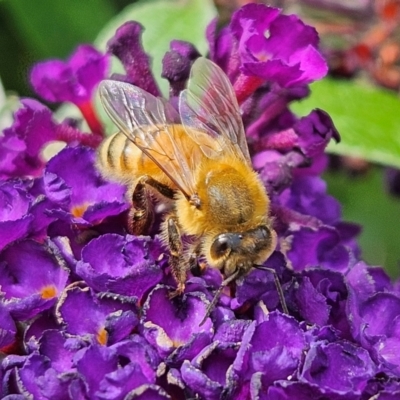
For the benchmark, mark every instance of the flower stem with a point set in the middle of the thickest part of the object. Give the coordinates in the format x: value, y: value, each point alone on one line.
x: 91, y: 118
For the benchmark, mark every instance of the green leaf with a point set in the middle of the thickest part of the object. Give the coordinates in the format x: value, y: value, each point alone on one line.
x: 51, y: 28
x: 367, y: 118
x: 165, y: 20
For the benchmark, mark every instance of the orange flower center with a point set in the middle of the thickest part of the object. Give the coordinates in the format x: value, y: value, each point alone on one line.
x: 102, y: 336
x: 79, y: 210
x: 48, y: 292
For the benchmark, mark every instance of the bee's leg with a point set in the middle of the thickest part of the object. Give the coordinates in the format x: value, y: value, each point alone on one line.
x: 178, y: 267
x: 192, y: 256
x: 164, y: 190
x: 141, y: 214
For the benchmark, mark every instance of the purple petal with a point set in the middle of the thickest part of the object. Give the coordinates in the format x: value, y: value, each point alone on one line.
x: 197, y: 381
x: 127, y: 46
x: 312, y: 305
x: 148, y: 392
x: 178, y: 323
x: 310, y: 248
x: 15, y: 219
x: 207, y: 374
x: 222, y: 46
x: 89, y: 67
x: 60, y: 349
x: 177, y: 63
x: 28, y: 376
x: 74, y: 80
x: 314, y: 132
x: 22, y: 143
x: 120, y: 382
x: 92, y: 199
x: 99, y: 309
x: 31, y: 278
x: 8, y: 329
x: 285, y: 390
x: 275, y: 47
x: 331, y: 286
x: 231, y: 331
x: 273, y: 348
x: 137, y: 349
x: 106, y: 361
x: 276, y: 169
x: 307, y: 195
x: 260, y: 285
x: 191, y: 348
x: 119, y: 325
x: 120, y: 265
x: 341, y: 366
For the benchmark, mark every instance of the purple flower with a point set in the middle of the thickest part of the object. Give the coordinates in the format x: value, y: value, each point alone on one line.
x: 206, y: 374
x: 15, y: 216
x: 259, y: 285
x: 307, y: 195
x: 119, y: 265
x: 261, y: 45
x: 276, y: 47
x: 74, y: 80
x: 21, y: 144
x: 324, y: 248
x: 31, y: 279
x: 341, y: 367
x: 110, y: 318
x: 176, y: 332
x: 78, y: 193
x: 8, y: 328
x: 223, y: 48
x: 177, y: 63
x: 127, y: 46
x: 314, y: 132
x: 268, y: 351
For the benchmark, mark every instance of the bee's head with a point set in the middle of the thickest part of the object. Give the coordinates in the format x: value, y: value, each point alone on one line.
x: 234, y: 251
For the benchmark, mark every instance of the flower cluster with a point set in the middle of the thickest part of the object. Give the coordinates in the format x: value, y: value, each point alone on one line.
x: 85, y: 311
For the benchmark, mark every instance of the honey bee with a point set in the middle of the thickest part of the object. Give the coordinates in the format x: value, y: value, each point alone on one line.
x: 198, y: 162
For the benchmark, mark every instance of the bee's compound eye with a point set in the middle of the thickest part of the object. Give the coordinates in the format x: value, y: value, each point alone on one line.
x: 220, y: 246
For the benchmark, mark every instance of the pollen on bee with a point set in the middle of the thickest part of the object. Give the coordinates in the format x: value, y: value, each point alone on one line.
x: 48, y: 292
x: 79, y: 210
x: 102, y: 336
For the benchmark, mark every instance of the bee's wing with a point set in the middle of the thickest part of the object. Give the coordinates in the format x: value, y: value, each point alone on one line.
x: 141, y: 117
x: 209, y: 105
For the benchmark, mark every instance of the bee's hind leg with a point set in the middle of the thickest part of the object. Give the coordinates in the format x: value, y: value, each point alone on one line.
x: 141, y: 215
x: 192, y: 257
x: 161, y: 188
x: 178, y: 267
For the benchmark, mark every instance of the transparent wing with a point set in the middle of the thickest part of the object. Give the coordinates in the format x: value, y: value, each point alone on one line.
x: 149, y: 123
x: 209, y: 105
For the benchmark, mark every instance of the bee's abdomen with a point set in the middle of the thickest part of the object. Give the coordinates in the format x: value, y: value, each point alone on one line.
x: 118, y: 158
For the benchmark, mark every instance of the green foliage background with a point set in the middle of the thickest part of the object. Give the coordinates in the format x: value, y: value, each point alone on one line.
x: 368, y: 118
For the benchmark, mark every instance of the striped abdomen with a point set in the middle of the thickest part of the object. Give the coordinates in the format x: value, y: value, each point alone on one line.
x: 118, y: 158
x: 121, y: 160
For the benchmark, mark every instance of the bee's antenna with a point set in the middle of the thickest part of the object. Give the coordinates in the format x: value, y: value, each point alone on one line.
x: 217, y: 295
x: 278, y: 286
